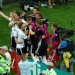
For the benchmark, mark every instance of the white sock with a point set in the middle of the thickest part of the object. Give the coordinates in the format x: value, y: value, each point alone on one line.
x: 44, y: 60
x: 10, y: 50
x: 37, y: 58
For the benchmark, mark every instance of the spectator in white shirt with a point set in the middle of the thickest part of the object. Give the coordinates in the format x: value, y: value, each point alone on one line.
x: 24, y: 64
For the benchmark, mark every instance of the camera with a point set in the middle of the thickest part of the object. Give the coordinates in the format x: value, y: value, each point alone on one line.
x: 61, y: 30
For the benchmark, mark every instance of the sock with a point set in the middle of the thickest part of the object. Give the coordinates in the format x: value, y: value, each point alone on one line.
x: 44, y: 60
x: 37, y: 58
x: 10, y: 50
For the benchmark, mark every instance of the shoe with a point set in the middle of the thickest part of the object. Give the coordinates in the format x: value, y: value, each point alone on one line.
x: 42, y: 4
x: 50, y: 7
x: 53, y: 4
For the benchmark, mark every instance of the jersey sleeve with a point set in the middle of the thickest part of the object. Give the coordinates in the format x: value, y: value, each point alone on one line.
x: 54, y: 45
x: 63, y: 44
x: 25, y: 36
x: 49, y: 35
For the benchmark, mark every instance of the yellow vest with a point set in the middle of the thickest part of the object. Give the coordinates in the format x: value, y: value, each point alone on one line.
x: 4, y: 66
x: 50, y: 73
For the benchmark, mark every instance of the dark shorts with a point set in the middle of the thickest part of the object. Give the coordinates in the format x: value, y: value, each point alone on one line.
x: 13, y: 43
x: 33, y: 48
x: 21, y: 51
x: 42, y: 50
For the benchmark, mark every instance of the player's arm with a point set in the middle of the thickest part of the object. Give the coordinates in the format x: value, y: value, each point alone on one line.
x: 3, y: 15
x: 46, y: 36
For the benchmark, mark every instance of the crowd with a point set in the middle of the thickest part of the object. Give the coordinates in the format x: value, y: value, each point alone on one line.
x: 30, y: 38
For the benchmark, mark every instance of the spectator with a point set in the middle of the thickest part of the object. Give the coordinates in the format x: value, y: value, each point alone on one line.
x: 5, y: 61
x: 50, y: 70
x: 1, y: 1
x: 24, y: 64
x: 51, y: 2
x: 67, y: 49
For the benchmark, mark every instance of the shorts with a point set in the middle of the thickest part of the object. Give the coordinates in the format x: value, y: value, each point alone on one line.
x: 13, y: 43
x: 21, y: 51
x: 42, y: 50
x: 33, y: 48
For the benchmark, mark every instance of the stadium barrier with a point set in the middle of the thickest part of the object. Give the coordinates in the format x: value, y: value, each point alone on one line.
x: 35, y: 70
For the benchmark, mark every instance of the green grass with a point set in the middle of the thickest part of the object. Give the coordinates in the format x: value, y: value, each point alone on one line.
x: 60, y: 14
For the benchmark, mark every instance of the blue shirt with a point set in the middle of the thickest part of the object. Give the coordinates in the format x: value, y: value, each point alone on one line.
x: 63, y: 44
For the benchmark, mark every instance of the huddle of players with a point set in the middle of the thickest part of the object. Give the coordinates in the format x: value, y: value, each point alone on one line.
x: 27, y: 32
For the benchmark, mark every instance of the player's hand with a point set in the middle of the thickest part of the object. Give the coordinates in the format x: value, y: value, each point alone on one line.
x: 19, y: 42
x: 43, y: 37
x: 47, y: 49
x: 30, y: 27
x: 32, y: 55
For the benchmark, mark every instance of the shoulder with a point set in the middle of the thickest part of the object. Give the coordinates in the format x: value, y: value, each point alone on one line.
x: 10, y: 19
x: 63, y: 42
x: 8, y: 56
x: 52, y: 70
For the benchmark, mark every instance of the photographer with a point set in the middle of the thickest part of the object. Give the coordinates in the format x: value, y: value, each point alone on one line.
x: 67, y: 49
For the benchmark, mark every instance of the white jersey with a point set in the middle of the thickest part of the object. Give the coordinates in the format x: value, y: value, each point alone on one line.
x: 21, y: 36
x: 14, y: 28
x: 22, y: 20
x: 24, y: 66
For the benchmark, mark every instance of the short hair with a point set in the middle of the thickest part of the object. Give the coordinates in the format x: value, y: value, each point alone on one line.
x: 39, y: 21
x: 17, y: 13
x: 40, y: 14
x: 64, y: 35
x: 37, y: 8
x: 20, y: 25
x: 24, y: 11
x: 54, y: 25
x: 28, y: 18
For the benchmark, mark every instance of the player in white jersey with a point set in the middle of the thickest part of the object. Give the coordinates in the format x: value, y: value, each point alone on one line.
x: 21, y: 36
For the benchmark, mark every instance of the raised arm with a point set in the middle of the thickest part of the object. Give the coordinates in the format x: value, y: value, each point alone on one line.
x: 3, y: 15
